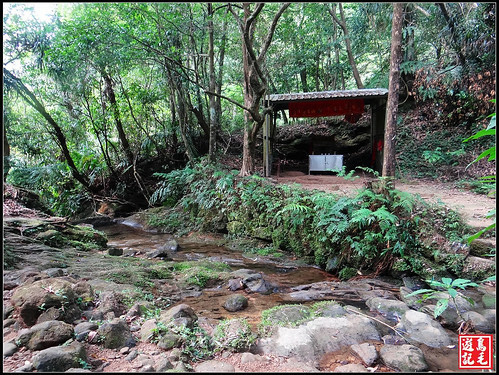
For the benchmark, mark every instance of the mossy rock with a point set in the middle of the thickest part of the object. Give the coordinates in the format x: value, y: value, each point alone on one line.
x: 286, y: 315
x: 235, y: 227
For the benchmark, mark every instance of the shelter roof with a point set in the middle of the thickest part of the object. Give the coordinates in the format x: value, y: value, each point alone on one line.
x: 281, y: 101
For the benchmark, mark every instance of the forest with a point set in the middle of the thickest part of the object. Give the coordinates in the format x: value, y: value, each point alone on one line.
x: 99, y: 97
x: 161, y: 215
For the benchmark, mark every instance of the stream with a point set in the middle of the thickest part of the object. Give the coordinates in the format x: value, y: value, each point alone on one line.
x: 285, y: 275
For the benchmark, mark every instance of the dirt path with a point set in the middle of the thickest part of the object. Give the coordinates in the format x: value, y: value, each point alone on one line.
x: 473, y: 207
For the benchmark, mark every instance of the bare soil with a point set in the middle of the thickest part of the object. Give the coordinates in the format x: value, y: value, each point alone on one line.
x: 473, y: 207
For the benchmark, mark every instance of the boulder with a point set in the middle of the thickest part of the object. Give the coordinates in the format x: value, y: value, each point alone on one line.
x: 179, y: 315
x: 253, y: 280
x: 391, y: 309
x: 405, y: 358
x: 422, y: 328
x: 310, y: 341
x: 9, y: 348
x: 214, y: 366
x: 115, y: 334
x: 235, y: 302
x: 366, y: 352
x: 351, y: 367
x: 147, y: 330
x: 32, y: 298
x: 60, y: 358
x: 44, y: 335
x: 480, y: 322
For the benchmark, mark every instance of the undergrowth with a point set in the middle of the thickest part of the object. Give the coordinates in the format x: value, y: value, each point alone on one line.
x: 367, y: 232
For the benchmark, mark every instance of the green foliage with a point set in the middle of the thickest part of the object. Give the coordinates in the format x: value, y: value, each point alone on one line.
x: 233, y: 335
x: 449, y: 287
x: 364, y: 232
x: 491, y: 153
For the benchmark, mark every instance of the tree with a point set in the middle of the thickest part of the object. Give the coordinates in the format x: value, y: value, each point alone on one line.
x: 255, y: 81
x: 342, y: 23
x: 16, y: 84
x: 393, y: 92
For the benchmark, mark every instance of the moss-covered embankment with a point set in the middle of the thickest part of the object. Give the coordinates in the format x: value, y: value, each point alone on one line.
x: 379, y: 230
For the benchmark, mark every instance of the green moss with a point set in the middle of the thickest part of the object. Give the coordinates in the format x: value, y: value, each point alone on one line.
x: 347, y: 273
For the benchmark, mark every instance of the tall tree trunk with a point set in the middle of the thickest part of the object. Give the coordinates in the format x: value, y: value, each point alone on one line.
x: 6, y: 146
x: 213, y: 109
x: 109, y: 91
x: 255, y: 82
x: 393, y: 92
x: 30, y: 98
x: 351, y: 59
x: 452, y: 28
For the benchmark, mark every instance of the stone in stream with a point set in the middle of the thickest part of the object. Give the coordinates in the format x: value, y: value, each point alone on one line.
x: 253, y: 280
x: 422, y: 328
x: 235, y: 302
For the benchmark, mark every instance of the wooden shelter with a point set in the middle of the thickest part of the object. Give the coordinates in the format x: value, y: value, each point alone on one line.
x: 348, y: 103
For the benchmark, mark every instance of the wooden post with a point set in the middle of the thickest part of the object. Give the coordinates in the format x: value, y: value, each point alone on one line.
x: 267, y: 167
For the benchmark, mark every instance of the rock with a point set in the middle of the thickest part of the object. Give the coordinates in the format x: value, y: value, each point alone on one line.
x: 422, y: 328
x: 86, y: 326
x: 489, y: 315
x: 391, y: 309
x: 171, y: 245
x: 481, y: 247
x: 235, y: 302
x: 55, y: 272
x: 249, y: 358
x: 322, y: 335
x: 74, y: 369
x: 331, y: 309
x: 288, y: 315
x: 405, y: 358
x: 480, y: 322
x: 414, y: 283
x: 351, y: 367
x: 159, y: 253
x: 413, y: 301
x: 115, y: 251
x: 366, y: 352
x: 214, y: 366
x: 476, y: 268
x: 169, y: 341
x: 147, y: 330
x: 45, y: 335
x: 110, y: 302
x: 60, y: 358
x: 180, y: 315
x: 139, y: 308
x: 393, y: 340
x: 9, y: 348
x: 489, y: 300
x: 133, y: 354
x: 31, y: 297
x: 162, y: 365
x: 235, y: 284
x: 116, y: 334
x: 7, y: 310
x: 253, y: 280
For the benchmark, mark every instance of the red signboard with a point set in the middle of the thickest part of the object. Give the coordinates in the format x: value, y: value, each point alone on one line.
x: 324, y: 108
x: 475, y: 352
